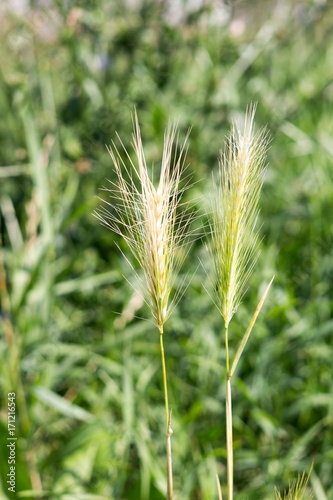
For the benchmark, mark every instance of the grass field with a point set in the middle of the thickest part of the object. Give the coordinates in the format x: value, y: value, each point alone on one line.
x: 77, y: 344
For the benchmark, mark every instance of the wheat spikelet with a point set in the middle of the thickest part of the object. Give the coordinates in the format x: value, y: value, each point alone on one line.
x: 235, y: 212
x: 147, y: 216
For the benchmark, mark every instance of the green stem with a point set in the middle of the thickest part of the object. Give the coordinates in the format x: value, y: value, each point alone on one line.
x: 226, y: 340
x: 167, y: 420
x: 228, y: 416
x: 230, y: 458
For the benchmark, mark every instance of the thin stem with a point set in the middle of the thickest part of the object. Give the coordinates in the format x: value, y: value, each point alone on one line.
x: 230, y: 459
x: 169, y: 460
x: 226, y: 340
x: 228, y: 417
x: 168, y: 421
x: 219, y: 490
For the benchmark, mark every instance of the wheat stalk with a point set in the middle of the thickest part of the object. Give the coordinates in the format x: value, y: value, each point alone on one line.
x: 234, y: 242
x: 148, y: 218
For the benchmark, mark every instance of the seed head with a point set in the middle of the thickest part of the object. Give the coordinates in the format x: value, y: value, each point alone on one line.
x: 148, y: 217
x: 237, y: 189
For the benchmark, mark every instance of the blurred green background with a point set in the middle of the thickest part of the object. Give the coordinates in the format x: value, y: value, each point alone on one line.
x: 86, y: 371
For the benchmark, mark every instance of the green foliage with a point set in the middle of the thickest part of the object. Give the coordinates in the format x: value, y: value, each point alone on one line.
x: 85, y: 369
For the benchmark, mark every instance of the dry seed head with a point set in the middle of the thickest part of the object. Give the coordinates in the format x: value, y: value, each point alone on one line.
x: 235, y: 212
x: 147, y: 217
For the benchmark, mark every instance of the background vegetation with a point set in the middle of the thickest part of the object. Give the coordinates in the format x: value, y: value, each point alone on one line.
x: 85, y: 370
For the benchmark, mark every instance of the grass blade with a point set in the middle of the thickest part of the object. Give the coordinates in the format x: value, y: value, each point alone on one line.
x: 219, y: 489
x: 249, y: 329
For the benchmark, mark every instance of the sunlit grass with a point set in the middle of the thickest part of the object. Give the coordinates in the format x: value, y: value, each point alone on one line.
x: 148, y: 218
x: 77, y: 74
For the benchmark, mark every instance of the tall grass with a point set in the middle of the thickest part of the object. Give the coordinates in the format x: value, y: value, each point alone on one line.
x: 147, y: 217
x: 62, y: 279
x: 234, y: 244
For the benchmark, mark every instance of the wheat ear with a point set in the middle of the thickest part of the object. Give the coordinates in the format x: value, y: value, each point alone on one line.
x: 147, y: 217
